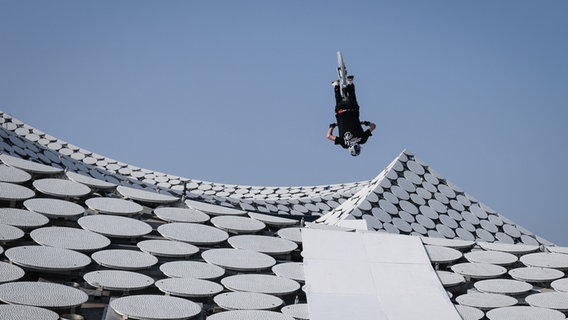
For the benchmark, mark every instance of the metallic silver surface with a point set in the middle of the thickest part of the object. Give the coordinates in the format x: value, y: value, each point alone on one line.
x: 155, y: 307
x: 42, y: 294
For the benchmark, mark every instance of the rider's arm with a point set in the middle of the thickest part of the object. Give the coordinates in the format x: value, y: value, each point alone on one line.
x: 330, y: 136
x: 369, y: 124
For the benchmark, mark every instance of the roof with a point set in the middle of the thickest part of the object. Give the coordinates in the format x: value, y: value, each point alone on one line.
x: 98, y: 233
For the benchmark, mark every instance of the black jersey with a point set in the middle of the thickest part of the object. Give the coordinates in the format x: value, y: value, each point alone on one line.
x: 350, y: 129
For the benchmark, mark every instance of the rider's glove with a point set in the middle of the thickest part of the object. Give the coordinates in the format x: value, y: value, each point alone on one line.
x: 332, y: 125
x: 365, y: 123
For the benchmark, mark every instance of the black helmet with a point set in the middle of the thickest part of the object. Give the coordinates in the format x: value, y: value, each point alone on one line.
x: 355, y: 149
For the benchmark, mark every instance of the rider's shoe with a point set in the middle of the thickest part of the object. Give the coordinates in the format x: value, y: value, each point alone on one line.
x: 335, y: 83
x: 350, y: 79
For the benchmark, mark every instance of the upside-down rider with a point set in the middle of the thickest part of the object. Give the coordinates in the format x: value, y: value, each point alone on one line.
x: 351, y: 133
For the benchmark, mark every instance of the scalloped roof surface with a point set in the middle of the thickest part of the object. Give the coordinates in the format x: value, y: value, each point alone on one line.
x: 157, y: 226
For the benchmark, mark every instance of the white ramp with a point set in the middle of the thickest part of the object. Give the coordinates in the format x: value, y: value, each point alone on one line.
x: 371, y: 275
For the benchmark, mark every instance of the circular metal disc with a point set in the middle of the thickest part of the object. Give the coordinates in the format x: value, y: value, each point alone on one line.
x: 14, y: 192
x: 437, y: 206
x: 492, y: 257
x: 413, y: 177
x: 524, y: 313
x: 486, y: 301
x: 390, y: 228
x: 423, y: 193
x: 124, y: 259
x: 237, y: 224
x: 212, y: 209
x: 189, y: 287
x: 372, y: 222
x: 239, y: 260
x: 290, y: 270
x: 450, y: 279
x: 448, y: 221
x: 485, y: 224
x: 406, y: 184
x: 155, y: 307
x: 298, y: 311
x: 408, y: 207
x: 546, y: 260
x: 54, y: 208
x: 61, y: 188
x: 175, y: 214
x: 406, y: 216
x: 167, y: 248
x: 13, y: 175
x: 535, y: 275
x: 530, y: 240
x: 247, y: 301
x: 419, y: 229
x: 42, y: 294
x: 442, y: 199
x: 10, y: 233
x: 496, y: 220
x: 551, y: 300
x: 261, y: 283
x: 470, y: 313
x: 478, y: 270
x: 429, y: 212
x: 114, y: 206
x: 29, y: 166
x: 89, y: 181
x: 191, y: 269
x: 417, y: 200
x: 264, y: 244
x: 504, y: 238
x: 115, y: 226
x: 560, y: 285
x: 511, y: 230
x: 196, y: 234
x: 438, y: 254
x: 425, y: 221
x: 145, y: 196
x: 402, y: 225
x: 457, y: 206
x: 400, y: 193
x: 10, y: 272
x: 429, y: 187
x: 470, y: 217
x: 478, y: 212
x: 467, y: 226
x: 503, y: 286
x: 249, y: 315
x: 415, y: 167
x: 293, y: 234
x: 118, y: 280
x: 47, y: 258
x: 69, y: 238
x: 19, y: 312
x: 381, y: 215
x: 446, y: 231
x: 430, y: 178
x: 22, y: 218
x: 388, y: 207
x: 273, y: 220
x: 447, y: 191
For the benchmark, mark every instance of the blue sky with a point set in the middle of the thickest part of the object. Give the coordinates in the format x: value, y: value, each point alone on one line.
x: 239, y: 91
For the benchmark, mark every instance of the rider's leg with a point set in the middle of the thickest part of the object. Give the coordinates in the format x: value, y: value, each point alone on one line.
x: 350, y: 89
x: 337, y: 91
